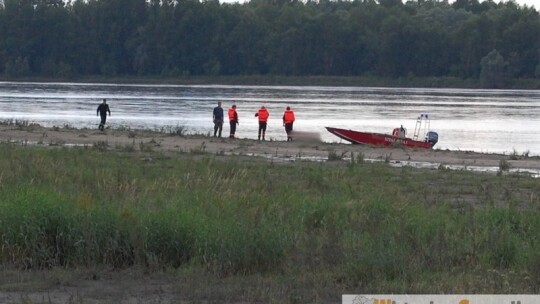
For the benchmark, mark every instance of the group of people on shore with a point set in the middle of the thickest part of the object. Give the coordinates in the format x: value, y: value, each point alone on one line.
x: 262, y: 114
x: 218, y: 118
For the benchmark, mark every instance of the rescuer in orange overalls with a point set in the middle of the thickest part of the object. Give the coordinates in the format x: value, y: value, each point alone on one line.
x: 263, y: 119
x: 233, y: 120
x: 288, y: 120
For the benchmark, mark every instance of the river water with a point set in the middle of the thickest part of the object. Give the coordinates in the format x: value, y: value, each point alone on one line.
x: 492, y: 121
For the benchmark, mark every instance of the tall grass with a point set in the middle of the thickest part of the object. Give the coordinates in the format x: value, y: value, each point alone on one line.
x: 371, y: 226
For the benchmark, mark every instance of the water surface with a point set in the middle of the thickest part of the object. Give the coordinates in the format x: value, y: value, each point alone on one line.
x: 502, y: 121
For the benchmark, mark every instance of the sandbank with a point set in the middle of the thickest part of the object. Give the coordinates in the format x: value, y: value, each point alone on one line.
x: 308, y: 148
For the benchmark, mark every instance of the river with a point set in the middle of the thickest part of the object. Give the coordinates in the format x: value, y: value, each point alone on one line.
x: 490, y: 121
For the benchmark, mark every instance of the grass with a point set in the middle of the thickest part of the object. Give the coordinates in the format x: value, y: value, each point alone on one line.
x: 335, y: 156
x: 322, y: 228
x: 20, y: 124
x: 504, y: 165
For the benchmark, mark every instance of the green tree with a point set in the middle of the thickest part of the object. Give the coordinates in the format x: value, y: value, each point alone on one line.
x: 56, y: 38
x: 18, y: 37
x: 518, y: 41
x: 246, y: 44
x: 18, y: 67
x: 474, y: 38
x: 114, y: 24
x: 152, y: 44
x: 493, y: 72
x: 537, y: 69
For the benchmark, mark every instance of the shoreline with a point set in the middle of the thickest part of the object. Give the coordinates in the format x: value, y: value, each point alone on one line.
x: 303, y: 149
x: 278, y: 80
x: 144, y: 215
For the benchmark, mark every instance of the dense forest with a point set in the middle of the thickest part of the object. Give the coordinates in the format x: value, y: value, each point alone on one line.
x: 467, y: 39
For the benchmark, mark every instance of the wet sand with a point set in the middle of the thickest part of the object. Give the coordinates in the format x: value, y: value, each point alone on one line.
x: 307, y: 146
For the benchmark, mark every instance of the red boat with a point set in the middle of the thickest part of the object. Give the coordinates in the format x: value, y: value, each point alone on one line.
x: 396, y: 139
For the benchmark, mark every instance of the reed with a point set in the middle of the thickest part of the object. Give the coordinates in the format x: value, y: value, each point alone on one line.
x: 371, y: 226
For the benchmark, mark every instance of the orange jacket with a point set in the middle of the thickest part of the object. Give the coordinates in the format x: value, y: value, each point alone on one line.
x: 233, y: 116
x: 263, y: 115
x: 288, y: 116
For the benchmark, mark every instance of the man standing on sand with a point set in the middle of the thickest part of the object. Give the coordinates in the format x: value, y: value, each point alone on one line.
x: 102, y: 110
x: 233, y: 120
x: 218, y: 119
x: 263, y: 119
x: 288, y: 120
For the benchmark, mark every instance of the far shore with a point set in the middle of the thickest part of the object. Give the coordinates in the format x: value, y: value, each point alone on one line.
x: 307, y: 149
x: 280, y: 80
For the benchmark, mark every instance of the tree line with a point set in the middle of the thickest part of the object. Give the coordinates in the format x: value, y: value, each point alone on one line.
x: 493, y: 42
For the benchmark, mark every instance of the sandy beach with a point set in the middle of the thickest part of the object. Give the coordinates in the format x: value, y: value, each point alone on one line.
x: 307, y: 147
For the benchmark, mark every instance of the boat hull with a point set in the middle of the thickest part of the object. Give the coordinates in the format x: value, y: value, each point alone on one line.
x: 378, y: 139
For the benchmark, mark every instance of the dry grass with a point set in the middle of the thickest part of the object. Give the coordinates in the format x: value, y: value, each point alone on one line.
x: 260, y: 231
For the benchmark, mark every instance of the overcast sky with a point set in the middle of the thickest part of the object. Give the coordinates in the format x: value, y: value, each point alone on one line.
x: 535, y: 3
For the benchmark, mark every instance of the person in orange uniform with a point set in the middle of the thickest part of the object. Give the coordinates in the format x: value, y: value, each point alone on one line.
x: 288, y: 120
x: 263, y: 119
x: 233, y: 120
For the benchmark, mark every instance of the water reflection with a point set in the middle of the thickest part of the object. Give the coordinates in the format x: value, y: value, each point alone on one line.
x: 503, y: 121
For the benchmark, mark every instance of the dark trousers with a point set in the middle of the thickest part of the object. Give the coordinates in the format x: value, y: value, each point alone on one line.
x: 218, y: 126
x: 262, y: 128
x: 233, y: 127
x: 288, y: 129
x: 103, y: 120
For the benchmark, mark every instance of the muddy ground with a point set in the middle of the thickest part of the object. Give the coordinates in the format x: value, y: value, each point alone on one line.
x: 306, y: 146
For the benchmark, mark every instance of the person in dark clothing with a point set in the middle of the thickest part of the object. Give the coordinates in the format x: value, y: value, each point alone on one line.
x: 218, y: 119
x: 102, y: 110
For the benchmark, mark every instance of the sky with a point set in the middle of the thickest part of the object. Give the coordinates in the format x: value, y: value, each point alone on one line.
x: 535, y: 3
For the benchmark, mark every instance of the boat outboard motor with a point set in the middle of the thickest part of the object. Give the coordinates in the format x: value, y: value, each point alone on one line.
x: 432, y: 138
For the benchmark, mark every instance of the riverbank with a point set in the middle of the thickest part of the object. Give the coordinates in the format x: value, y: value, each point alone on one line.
x: 307, y: 148
x: 127, y: 216
x: 274, y: 80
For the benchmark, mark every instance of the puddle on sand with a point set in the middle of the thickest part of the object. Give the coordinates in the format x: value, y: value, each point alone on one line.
x: 398, y: 164
x: 427, y: 165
